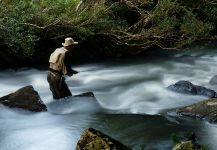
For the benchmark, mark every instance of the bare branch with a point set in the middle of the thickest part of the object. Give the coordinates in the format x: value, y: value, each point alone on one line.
x: 33, y: 25
x: 213, y: 2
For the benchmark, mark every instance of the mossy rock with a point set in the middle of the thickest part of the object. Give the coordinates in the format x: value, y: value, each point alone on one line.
x: 204, y: 110
x: 92, y: 139
x: 187, y: 145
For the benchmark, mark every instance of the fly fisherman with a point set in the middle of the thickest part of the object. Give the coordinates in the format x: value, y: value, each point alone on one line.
x: 60, y: 65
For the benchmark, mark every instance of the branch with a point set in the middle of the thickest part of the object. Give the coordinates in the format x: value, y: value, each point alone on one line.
x: 167, y: 48
x: 213, y: 2
x: 40, y: 27
x: 33, y: 25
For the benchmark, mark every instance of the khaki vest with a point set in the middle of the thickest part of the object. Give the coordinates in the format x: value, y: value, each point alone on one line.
x: 57, y: 60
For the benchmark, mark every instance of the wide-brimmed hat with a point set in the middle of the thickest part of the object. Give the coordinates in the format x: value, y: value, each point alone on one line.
x: 69, y: 41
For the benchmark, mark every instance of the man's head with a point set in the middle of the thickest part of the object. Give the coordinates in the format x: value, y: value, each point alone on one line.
x: 69, y: 43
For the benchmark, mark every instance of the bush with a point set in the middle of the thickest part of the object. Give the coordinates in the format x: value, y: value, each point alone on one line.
x: 178, y: 24
x: 25, y: 22
x: 165, y: 23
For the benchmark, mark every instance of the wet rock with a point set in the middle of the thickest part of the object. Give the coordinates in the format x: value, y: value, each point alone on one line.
x: 186, y: 145
x: 187, y: 87
x: 81, y: 103
x: 92, y: 139
x: 87, y: 94
x: 189, y: 144
x: 213, y: 80
x: 204, y: 110
x: 26, y: 98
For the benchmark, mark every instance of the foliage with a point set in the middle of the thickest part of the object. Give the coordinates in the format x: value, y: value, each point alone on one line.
x: 23, y: 23
x: 169, y: 24
x: 178, y: 24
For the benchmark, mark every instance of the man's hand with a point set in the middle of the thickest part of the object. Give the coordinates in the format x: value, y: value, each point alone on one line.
x: 69, y: 74
x: 72, y: 72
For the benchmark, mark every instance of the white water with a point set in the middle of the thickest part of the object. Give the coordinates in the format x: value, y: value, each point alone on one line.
x: 126, y: 87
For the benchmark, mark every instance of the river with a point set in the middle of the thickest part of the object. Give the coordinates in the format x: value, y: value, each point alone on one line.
x: 141, y: 110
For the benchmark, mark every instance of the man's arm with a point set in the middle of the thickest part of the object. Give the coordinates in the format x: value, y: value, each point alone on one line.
x: 67, y: 62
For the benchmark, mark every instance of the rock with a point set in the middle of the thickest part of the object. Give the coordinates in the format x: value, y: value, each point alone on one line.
x: 186, y: 145
x: 189, y: 144
x: 87, y: 94
x: 81, y: 103
x: 205, y: 110
x: 26, y: 98
x: 92, y: 139
x: 213, y: 80
x: 187, y: 87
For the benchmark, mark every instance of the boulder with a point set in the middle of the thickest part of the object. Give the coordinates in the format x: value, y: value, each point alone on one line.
x: 205, y: 110
x: 187, y: 87
x: 213, y: 80
x: 92, y: 139
x: 26, y: 98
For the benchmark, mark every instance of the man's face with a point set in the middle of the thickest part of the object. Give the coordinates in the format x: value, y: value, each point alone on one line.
x: 70, y: 47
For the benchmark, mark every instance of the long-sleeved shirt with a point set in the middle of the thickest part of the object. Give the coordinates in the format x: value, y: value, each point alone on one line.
x: 67, y: 62
x: 60, y: 61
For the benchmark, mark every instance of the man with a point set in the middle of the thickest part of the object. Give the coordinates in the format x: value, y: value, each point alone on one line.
x: 60, y: 65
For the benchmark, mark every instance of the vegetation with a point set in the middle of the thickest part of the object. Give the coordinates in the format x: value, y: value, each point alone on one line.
x: 31, y: 29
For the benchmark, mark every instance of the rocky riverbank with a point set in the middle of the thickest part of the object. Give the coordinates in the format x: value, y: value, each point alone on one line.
x: 205, y: 109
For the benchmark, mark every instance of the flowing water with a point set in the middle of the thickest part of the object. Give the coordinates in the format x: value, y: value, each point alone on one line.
x: 140, y: 110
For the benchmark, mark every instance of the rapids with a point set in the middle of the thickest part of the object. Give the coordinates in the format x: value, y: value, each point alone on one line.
x: 139, y: 108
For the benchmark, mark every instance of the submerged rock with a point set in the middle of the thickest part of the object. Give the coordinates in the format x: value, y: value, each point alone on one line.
x: 204, y: 110
x: 213, y: 80
x: 187, y: 87
x: 81, y: 103
x: 92, y: 139
x: 26, y: 98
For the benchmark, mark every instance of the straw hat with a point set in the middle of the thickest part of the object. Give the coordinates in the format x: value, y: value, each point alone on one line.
x: 69, y: 41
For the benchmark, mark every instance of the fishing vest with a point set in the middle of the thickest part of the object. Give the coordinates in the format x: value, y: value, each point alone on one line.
x: 57, y: 60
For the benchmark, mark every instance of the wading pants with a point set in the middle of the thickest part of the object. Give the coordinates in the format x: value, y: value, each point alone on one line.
x: 58, y: 85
